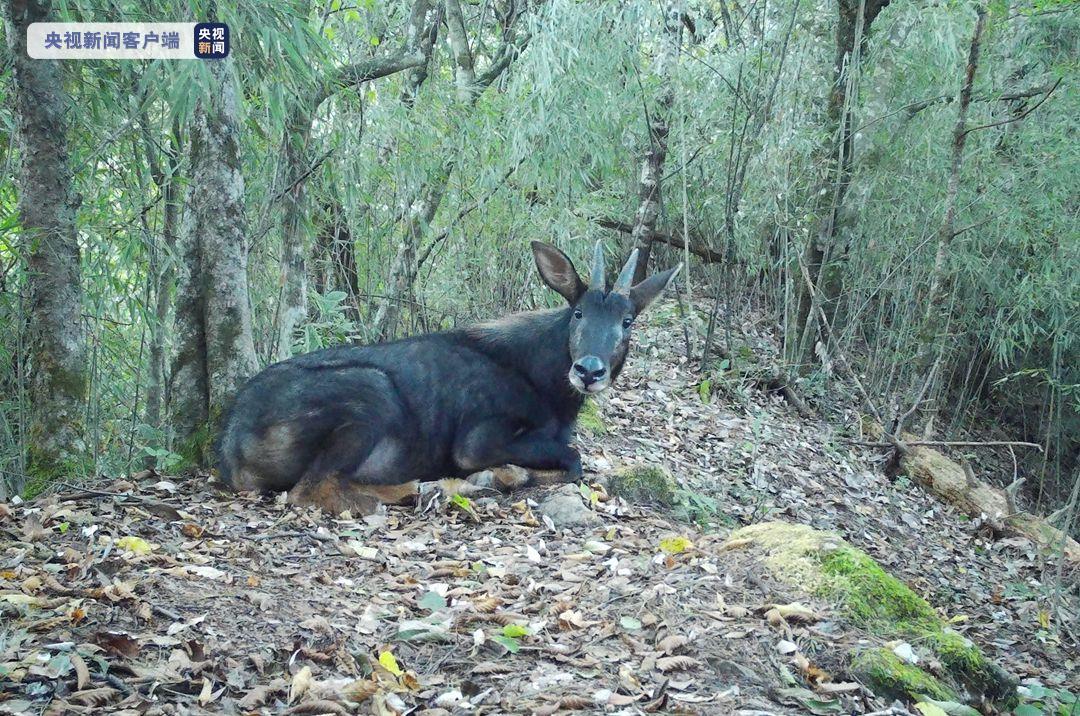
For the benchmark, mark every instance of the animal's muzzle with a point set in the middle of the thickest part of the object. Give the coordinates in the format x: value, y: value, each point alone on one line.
x: 591, y: 373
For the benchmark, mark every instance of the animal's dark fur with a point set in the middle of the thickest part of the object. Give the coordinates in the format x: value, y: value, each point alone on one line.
x: 425, y: 408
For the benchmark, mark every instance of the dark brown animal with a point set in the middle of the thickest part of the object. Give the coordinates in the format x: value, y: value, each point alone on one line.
x: 346, y: 426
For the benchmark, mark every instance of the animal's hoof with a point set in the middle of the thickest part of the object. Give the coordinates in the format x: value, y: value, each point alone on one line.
x: 509, y: 477
x: 554, y: 477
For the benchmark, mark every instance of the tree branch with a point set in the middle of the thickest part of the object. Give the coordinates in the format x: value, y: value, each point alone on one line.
x: 951, y: 443
x: 506, y: 55
x: 697, y: 247
x: 358, y: 73
x: 1020, y: 116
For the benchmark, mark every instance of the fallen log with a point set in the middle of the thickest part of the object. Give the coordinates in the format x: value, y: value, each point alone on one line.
x: 957, y: 486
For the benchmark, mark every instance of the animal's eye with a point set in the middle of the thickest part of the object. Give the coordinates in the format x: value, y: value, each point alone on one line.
x: 627, y: 322
x: 577, y: 313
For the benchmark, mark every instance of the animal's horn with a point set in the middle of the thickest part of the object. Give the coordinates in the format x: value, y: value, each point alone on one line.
x: 626, y: 276
x: 597, y: 281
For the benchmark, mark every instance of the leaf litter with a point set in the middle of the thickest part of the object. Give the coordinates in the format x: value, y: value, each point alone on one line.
x: 165, y: 595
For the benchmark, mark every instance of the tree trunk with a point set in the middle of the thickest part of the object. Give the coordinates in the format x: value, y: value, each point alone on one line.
x: 292, y: 309
x: 47, y: 209
x: 292, y: 305
x: 935, y: 316
x: 161, y: 271
x: 418, y: 213
x: 652, y: 166
x: 215, y: 350
x: 336, y: 247
x: 851, y: 28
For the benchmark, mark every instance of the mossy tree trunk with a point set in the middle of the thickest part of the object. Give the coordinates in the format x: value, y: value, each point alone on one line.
x: 47, y: 209
x: 215, y: 351
x: 854, y: 20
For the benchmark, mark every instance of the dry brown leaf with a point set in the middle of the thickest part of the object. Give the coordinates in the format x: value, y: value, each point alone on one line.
x: 94, y: 697
x: 206, y: 694
x: 361, y: 690
x: 576, y: 703
x: 117, y: 642
x: 82, y: 674
x: 32, y: 529
x: 617, y: 699
x: 671, y: 644
x: 795, y: 612
x: 735, y: 544
x: 676, y: 663
x: 486, y: 604
x: 493, y: 667
x: 813, y: 674
x: 191, y: 531
x: 844, y: 687
x: 255, y: 698
x: 319, y: 706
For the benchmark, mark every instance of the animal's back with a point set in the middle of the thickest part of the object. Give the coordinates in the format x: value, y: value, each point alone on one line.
x: 399, y: 402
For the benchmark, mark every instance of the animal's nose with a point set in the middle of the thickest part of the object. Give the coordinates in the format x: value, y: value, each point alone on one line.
x: 590, y: 369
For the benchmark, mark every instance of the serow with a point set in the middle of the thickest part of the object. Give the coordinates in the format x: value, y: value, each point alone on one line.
x: 348, y: 426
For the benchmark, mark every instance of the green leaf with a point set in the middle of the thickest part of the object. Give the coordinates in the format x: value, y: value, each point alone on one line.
x: 515, y: 631
x: 630, y: 624
x: 511, y: 645
x: 432, y: 601
x: 1027, y: 710
x: 704, y: 390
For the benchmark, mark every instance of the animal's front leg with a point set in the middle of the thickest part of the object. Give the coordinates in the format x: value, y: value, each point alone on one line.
x: 493, y: 443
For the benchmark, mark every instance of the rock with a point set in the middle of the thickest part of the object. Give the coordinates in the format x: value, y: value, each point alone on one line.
x: 565, y: 508
x: 644, y: 485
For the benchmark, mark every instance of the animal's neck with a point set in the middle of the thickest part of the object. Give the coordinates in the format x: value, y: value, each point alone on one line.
x: 536, y: 344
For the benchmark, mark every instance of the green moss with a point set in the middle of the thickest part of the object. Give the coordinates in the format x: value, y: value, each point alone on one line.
x: 963, y: 660
x: 44, y: 467
x: 887, y: 675
x: 874, y: 599
x: 589, y: 419
x: 871, y: 599
x: 196, y: 451
x: 644, y: 484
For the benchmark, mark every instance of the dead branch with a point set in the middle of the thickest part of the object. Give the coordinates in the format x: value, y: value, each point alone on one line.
x: 1018, y: 117
x: 696, y: 247
x: 950, y: 443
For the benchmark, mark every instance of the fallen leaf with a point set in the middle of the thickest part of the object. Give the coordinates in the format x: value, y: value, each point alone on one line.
x: 676, y: 663
x: 301, y: 682
x: 389, y: 662
x: 135, y: 545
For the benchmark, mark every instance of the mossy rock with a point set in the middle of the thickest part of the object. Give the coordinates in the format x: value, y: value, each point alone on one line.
x: 871, y: 599
x: 644, y: 485
x: 590, y: 420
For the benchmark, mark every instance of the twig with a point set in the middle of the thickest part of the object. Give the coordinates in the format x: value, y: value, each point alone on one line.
x: 1020, y: 116
x: 167, y: 613
x: 951, y: 443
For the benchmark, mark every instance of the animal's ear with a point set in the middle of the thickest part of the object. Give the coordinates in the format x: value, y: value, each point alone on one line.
x: 645, y: 292
x: 558, y: 271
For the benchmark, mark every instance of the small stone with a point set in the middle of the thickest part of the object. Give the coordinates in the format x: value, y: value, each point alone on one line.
x: 565, y: 509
